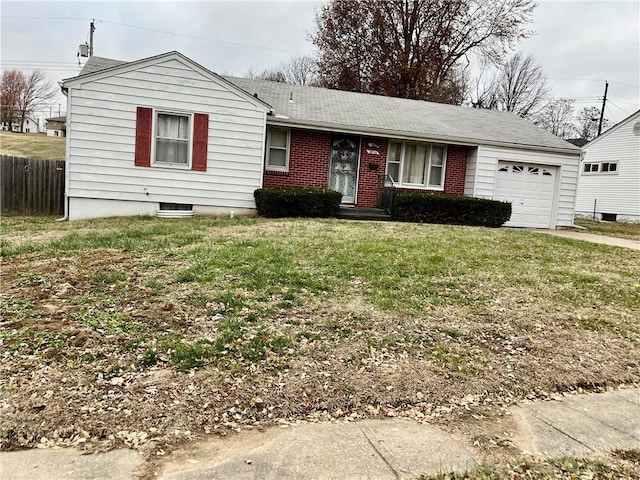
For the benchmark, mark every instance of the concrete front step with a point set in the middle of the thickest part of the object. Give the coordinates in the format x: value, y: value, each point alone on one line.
x: 355, y: 213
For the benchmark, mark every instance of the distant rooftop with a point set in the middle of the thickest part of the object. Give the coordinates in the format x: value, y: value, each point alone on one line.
x: 95, y: 64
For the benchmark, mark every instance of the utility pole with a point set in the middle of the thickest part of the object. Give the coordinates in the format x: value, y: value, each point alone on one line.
x: 92, y: 28
x: 604, y: 102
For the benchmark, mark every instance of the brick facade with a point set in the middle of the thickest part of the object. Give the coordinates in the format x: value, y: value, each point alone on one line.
x: 309, y: 166
x: 308, y: 161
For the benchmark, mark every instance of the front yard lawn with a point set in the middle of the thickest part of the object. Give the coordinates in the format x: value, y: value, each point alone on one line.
x: 146, y: 332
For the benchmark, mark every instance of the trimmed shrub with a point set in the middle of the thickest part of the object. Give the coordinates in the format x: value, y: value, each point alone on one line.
x: 297, y: 202
x: 449, y: 209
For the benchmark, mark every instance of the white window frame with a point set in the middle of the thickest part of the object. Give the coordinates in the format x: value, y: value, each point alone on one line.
x: 599, y: 170
x: 287, y: 149
x: 161, y: 164
x: 419, y: 186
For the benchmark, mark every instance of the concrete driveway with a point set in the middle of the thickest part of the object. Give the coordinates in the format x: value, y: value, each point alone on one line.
x: 592, y: 237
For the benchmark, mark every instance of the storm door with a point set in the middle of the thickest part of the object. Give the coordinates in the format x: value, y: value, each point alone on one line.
x: 343, y: 166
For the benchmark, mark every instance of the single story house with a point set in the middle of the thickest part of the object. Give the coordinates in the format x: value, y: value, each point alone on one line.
x: 165, y: 133
x: 56, y: 126
x: 609, y: 183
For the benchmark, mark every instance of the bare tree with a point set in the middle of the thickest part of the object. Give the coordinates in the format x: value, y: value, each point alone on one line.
x: 412, y: 48
x: 30, y: 92
x: 482, y: 90
x: 300, y: 70
x: 13, y: 85
x: 522, y: 87
x: 587, y: 123
x: 273, y: 75
x: 519, y: 86
x: 557, y: 117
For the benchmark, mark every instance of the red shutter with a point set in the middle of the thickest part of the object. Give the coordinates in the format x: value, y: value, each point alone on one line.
x: 144, y: 122
x: 200, y: 142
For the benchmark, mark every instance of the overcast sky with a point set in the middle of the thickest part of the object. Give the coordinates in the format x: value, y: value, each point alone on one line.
x: 579, y: 44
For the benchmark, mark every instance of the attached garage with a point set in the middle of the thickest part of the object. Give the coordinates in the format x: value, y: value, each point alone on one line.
x: 540, y: 185
x: 531, y: 190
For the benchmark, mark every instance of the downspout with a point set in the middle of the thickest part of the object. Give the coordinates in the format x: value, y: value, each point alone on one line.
x: 67, y: 94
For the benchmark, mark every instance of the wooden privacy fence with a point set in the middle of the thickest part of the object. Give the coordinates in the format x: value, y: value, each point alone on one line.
x: 31, y: 187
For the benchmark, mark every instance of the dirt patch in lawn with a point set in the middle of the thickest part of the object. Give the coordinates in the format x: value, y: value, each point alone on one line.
x: 106, y: 347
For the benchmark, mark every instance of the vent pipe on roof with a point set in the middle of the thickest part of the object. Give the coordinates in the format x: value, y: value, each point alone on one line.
x: 291, y: 97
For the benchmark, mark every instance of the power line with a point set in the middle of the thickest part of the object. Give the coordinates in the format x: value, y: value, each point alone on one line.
x: 610, y: 114
x: 26, y: 17
x: 186, y: 35
x: 636, y: 104
x: 61, y: 62
x: 593, y: 80
x: 619, y: 108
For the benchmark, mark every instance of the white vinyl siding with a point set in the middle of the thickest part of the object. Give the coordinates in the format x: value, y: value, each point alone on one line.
x: 612, y: 192
x: 470, y: 175
x: 101, y: 139
x: 486, y: 169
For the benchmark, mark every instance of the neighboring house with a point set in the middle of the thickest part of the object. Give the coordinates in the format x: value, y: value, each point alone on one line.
x: 56, y: 126
x: 609, y: 183
x: 165, y: 133
x: 30, y: 126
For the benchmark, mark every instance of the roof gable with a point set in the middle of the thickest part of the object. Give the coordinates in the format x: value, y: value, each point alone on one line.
x: 105, y: 67
x: 616, y: 127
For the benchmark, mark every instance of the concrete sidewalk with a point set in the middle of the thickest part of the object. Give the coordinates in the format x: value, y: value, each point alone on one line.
x: 371, y: 449
x: 593, y: 238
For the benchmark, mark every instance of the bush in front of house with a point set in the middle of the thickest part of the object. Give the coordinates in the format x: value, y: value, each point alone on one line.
x: 449, y: 209
x: 297, y: 202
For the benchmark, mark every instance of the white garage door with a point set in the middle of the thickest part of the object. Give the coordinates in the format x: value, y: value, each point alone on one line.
x: 530, y: 189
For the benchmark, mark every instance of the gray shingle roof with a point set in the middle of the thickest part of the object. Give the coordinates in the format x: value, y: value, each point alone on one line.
x: 349, y: 111
x: 95, y: 64
x: 399, y: 116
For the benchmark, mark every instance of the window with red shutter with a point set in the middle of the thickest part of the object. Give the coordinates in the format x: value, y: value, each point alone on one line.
x: 200, y: 142
x: 144, y: 123
x: 171, y: 140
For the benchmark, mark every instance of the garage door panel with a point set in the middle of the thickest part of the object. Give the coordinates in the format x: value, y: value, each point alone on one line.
x: 530, y: 189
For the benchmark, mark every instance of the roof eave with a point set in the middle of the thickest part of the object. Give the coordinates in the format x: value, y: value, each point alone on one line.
x: 79, y: 79
x: 415, y: 136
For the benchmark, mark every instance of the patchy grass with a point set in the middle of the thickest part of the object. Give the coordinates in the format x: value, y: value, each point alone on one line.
x: 32, y: 145
x: 621, y: 464
x: 611, y: 229
x: 218, y: 324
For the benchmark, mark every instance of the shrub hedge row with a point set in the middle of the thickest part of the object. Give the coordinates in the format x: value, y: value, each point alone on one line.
x: 407, y: 206
x: 297, y: 202
x: 450, y: 209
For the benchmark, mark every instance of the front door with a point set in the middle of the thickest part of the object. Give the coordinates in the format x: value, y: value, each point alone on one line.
x: 343, y: 166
